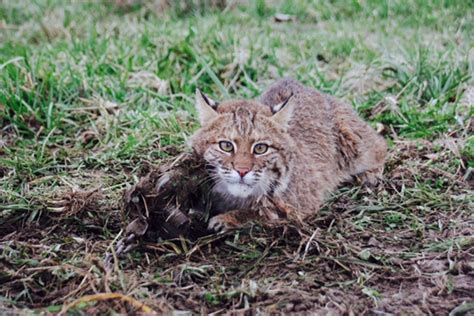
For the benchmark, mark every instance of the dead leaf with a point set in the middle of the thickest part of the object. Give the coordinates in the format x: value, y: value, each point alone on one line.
x: 148, y: 80
x: 137, y: 227
x: 281, y: 17
x: 431, y: 156
x: 380, y: 128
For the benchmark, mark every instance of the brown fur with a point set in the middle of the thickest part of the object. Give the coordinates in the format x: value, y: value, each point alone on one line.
x: 322, y: 144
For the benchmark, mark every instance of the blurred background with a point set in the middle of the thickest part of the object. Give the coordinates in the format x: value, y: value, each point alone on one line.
x: 402, y: 63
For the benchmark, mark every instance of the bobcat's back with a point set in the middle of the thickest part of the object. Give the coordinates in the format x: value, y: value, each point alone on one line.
x: 333, y: 143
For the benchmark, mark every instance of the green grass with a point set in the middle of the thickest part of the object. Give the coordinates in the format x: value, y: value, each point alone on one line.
x: 72, y: 118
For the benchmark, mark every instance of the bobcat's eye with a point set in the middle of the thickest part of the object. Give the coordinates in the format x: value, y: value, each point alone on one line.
x: 260, y: 149
x: 226, y: 146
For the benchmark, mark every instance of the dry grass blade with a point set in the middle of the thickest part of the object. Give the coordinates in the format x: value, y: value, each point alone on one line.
x: 108, y: 296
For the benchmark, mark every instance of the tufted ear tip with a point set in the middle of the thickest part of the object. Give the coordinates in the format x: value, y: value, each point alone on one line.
x: 283, y: 112
x: 205, y: 106
x: 276, y: 108
x: 199, y: 94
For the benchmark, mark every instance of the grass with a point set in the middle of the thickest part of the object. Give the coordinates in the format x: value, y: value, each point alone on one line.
x: 95, y: 94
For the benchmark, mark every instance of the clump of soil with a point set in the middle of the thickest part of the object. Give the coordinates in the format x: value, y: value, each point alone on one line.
x: 171, y: 201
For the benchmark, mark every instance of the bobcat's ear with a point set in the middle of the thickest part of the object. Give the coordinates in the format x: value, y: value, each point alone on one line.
x: 283, y: 112
x: 206, y: 107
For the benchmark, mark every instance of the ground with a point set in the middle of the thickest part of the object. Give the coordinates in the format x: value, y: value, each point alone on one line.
x: 95, y: 94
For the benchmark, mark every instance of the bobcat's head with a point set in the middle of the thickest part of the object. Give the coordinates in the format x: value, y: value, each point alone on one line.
x: 246, y: 145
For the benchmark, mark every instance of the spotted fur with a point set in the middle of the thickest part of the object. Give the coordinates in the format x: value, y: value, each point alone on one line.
x: 315, y: 143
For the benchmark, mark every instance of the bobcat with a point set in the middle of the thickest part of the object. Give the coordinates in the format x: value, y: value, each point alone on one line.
x: 294, y: 144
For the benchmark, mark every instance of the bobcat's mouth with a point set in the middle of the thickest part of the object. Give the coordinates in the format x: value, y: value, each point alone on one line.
x: 240, y: 181
x: 231, y: 183
x: 240, y: 189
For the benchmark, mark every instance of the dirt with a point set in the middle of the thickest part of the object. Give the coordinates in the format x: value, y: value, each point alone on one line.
x: 407, y: 255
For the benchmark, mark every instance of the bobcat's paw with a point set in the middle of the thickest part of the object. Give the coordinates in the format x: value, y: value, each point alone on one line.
x: 222, y: 223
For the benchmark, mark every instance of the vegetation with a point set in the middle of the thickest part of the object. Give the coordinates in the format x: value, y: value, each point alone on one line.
x: 93, y: 95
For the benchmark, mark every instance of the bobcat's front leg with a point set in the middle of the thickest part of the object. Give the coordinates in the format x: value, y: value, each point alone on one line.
x: 270, y: 211
x: 231, y: 220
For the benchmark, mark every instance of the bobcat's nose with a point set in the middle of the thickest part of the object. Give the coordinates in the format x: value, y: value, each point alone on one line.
x: 242, y: 171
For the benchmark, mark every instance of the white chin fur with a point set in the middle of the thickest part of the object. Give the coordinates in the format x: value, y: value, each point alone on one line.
x: 239, y: 190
